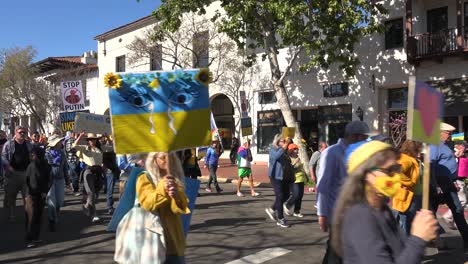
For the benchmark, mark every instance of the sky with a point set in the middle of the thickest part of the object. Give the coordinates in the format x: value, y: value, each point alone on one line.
x: 65, y: 27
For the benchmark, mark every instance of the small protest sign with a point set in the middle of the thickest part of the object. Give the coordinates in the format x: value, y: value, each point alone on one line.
x: 425, y: 106
x: 67, y: 120
x: 246, y: 126
x: 288, y: 132
x: 159, y: 111
x: 72, y: 96
x: 92, y: 123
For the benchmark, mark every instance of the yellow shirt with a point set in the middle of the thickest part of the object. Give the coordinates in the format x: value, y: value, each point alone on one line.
x: 153, y: 198
x: 91, y: 157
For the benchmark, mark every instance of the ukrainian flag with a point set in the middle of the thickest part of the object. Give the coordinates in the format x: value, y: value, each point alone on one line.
x: 458, y: 137
x: 159, y: 111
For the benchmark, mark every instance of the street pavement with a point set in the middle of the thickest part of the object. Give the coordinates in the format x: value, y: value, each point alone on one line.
x: 225, y: 229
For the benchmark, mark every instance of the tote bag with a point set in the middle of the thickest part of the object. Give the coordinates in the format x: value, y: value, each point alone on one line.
x: 140, y: 238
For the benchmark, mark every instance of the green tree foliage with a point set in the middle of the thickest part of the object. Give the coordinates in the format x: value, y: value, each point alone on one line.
x: 324, y: 30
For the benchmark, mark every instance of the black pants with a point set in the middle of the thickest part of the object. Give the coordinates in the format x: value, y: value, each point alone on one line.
x: 281, y: 189
x: 297, y: 195
x: 213, y: 177
x: 330, y: 255
x: 34, y: 206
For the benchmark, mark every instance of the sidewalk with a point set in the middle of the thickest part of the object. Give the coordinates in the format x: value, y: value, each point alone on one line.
x: 228, y: 172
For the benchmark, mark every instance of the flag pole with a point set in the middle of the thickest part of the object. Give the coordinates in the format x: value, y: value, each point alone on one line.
x: 426, y: 178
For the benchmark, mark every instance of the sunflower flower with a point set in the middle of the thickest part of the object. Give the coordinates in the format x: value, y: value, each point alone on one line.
x: 112, y: 80
x: 154, y: 84
x: 204, y: 77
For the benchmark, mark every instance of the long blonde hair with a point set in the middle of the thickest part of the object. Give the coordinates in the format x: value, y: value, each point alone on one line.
x: 174, y: 167
x: 354, y: 192
x: 276, y: 140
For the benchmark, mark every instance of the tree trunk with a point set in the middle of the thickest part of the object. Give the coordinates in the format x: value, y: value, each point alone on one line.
x: 282, y: 96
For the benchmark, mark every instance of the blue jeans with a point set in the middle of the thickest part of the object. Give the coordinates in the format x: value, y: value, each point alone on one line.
x: 110, y: 189
x: 281, y: 189
x: 72, y: 173
x: 297, y: 195
x: 55, y: 198
x: 406, y: 219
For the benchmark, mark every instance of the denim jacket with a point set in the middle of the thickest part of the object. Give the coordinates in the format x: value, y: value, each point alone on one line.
x: 9, y: 151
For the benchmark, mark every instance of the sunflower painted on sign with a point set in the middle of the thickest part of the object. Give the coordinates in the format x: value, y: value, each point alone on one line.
x: 204, y: 76
x: 112, y: 80
x: 160, y: 111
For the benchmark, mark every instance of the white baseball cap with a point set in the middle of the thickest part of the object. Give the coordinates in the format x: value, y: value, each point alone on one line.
x: 446, y: 127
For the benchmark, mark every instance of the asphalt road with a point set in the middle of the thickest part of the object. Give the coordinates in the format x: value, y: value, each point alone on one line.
x: 224, y: 229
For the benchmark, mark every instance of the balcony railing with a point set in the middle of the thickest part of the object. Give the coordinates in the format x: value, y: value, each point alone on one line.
x: 433, y: 44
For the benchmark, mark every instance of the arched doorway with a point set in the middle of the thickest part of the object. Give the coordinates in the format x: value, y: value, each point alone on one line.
x: 223, y: 113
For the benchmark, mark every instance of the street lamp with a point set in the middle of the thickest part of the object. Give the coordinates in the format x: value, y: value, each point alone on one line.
x: 360, y: 113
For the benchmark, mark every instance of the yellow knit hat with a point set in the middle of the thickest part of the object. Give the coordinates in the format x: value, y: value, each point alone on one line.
x: 364, y: 152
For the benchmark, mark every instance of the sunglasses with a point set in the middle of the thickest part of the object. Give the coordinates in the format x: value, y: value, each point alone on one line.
x: 390, y: 171
x: 21, y: 132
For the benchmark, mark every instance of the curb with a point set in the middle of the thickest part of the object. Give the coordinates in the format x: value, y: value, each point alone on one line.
x: 234, y: 181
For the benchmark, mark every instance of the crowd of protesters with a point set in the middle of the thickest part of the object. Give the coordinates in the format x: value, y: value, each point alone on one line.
x: 369, y: 193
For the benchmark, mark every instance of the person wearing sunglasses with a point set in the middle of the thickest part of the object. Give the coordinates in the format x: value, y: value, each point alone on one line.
x: 15, y: 161
x: 364, y: 229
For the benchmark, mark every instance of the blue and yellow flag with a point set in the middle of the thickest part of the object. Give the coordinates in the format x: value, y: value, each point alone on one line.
x: 159, y: 111
x: 458, y: 137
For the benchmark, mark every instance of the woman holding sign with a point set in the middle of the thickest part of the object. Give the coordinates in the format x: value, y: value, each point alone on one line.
x: 161, y: 191
x: 364, y: 230
x: 93, y: 174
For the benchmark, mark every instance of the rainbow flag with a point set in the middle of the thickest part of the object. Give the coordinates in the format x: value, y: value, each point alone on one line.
x: 159, y: 111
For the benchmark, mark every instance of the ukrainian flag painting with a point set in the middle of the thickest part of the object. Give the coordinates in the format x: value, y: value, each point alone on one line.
x: 159, y: 111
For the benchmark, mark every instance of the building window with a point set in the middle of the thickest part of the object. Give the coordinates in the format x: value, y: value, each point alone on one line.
x: 269, y: 124
x: 266, y: 97
x: 398, y: 98
x: 335, y: 90
x: 156, y: 58
x: 120, y: 63
x: 394, y: 33
x: 201, y: 55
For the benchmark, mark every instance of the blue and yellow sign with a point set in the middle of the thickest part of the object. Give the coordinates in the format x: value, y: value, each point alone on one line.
x: 159, y: 111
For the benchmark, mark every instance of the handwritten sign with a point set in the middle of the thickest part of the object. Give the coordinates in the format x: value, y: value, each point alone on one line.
x: 246, y: 126
x: 67, y: 120
x: 92, y: 123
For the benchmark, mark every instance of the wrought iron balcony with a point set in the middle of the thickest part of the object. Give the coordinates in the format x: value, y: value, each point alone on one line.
x: 437, y: 44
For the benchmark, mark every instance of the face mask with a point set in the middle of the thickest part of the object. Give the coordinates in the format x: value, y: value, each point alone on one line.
x: 387, y: 185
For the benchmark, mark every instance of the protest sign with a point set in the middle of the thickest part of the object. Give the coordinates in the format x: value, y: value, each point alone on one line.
x: 243, y: 104
x: 288, y: 132
x: 159, y: 111
x: 92, y: 123
x: 72, y: 96
x: 67, y: 120
x: 246, y: 126
x: 425, y: 107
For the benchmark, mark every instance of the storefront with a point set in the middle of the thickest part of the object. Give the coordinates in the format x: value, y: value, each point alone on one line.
x: 223, y: 113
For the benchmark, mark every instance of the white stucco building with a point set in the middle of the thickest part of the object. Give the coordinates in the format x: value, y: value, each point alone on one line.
x: 324, y: 100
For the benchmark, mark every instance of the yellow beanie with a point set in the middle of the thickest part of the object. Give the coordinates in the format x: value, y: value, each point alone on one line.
x: 364, y: 152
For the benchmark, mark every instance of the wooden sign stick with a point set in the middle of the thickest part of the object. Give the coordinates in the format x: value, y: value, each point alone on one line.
x: 426, y: 178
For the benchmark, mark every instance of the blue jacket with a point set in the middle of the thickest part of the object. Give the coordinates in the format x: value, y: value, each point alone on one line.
x: 443, y: 164
x: 276, y: 162
x: 211, y: 159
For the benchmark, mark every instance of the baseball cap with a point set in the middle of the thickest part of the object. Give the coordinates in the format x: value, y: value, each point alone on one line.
x: 292, y: 147
x: 446, y: 127
x: 357, y: 127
